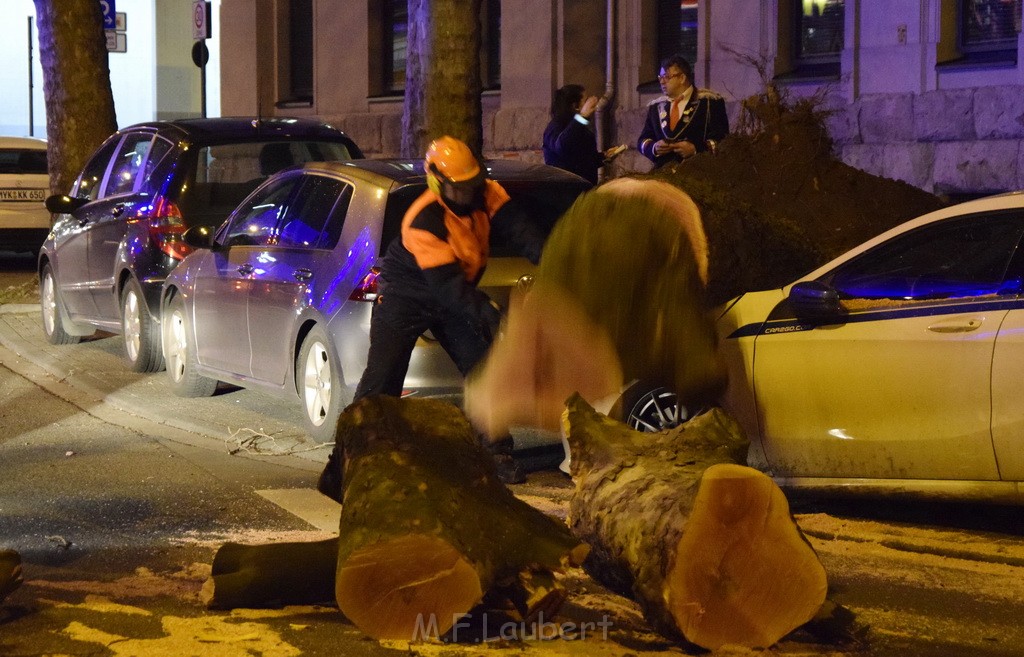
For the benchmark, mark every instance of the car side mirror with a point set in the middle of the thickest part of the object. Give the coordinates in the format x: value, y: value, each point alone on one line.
x: 814, y: 300
x: 199, y: 237
x: 64, y: 204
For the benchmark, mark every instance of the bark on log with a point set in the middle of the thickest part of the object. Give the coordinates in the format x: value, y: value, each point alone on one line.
x: 10, y: 572
x: 426, y: 526
x: 708, y: 548
x: 427, y: 531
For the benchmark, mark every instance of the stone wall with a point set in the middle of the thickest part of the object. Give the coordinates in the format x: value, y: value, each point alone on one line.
x: 957, y: 141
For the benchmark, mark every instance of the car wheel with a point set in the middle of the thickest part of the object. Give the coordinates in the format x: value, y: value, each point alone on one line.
x: 651, y: 410
x: 180, y: 353
x: 49, y: 301
x: 140, y: 331
x: 319, y: 383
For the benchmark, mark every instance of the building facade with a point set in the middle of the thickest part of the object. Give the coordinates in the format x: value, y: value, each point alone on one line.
x: 926, y: 91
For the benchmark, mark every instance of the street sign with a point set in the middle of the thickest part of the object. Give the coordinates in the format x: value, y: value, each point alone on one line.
x: 200, y: 19
x: 109, y: 14
x: 116, y: 41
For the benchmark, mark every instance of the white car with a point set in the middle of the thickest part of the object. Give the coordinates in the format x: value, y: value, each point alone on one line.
x: 895, y: 368
x: 24, y: 186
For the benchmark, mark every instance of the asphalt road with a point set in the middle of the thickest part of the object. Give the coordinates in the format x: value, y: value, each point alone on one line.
x: 117, y: 494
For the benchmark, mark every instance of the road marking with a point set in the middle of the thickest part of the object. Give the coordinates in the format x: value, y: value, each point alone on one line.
x: 308, y: 504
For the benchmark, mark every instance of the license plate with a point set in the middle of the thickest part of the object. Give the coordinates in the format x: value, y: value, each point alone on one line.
x: 37, y: 195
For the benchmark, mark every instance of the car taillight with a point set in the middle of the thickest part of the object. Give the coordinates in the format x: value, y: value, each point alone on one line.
x: 367, y: 288
x: 166, y: 227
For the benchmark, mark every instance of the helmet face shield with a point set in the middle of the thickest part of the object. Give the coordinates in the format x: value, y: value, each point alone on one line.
x: 462, y: 196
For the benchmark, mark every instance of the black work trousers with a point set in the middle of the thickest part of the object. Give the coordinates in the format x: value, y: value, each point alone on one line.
x: 397, y: 322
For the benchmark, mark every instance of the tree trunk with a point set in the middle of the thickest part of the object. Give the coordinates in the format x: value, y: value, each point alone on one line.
x: 427, y: 528
x: 708, y: 548
x: 427, y: 531
x: 442, y: 78
x: 76, y: 84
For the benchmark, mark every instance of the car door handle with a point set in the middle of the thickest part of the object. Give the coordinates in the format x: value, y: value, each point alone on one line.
x: 245, y: 269
x: 302, y: 275
x: 956, y: 325
x: 118, y: 210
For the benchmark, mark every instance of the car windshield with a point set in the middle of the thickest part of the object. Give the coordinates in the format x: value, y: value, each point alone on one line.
x: 224, y: 174
x: 20, y: 161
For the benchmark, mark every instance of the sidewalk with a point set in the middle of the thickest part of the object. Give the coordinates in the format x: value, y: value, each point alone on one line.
x: 92, y: 376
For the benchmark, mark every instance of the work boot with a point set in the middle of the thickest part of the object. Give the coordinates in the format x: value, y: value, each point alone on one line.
x: 329, y: 483
x: 509, y: 471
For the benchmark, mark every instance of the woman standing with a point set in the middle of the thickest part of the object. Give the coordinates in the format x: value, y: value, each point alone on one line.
x: 569, y: 142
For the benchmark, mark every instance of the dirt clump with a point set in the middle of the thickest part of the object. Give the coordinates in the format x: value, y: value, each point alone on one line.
x: 777, y: 202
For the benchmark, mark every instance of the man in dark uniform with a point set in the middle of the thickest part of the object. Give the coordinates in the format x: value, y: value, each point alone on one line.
x: 683, y: 122
x: 429, y: 279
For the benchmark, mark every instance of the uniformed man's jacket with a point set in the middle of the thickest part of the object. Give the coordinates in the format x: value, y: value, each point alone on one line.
x: 703, y: 122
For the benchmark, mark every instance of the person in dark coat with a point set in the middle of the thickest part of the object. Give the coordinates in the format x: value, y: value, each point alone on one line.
x: 683, y: 122
x: 569, y: 142
x: 428, y: 281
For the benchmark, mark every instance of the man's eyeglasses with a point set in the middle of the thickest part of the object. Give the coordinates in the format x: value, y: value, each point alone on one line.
x: 662, y: 77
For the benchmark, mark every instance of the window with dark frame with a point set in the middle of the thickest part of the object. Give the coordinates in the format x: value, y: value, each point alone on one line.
x: 988, y: 29
x: 677, y: 29
x: 300, y: 51
x: 396, y: 42
x: 818, y: 36
x: 395, y: 25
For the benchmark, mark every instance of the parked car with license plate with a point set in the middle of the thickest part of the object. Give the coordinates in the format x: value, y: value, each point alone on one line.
x: 895, y: 368
x: 279, y: 297
x: 118, y: 233
x: 24, y: 186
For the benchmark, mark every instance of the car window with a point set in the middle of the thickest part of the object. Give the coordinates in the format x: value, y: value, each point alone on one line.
x: 963, y: 257
x: 127, y: 163
x: 88, y: 185
x: 543, y: 203
x: 157, y: 152
x: 22, y: 161
x: 256, y: 222
x: 224, y: 174
x: 320, y: 202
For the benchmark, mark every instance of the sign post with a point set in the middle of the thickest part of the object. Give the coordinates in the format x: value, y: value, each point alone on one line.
x: 201, y: 15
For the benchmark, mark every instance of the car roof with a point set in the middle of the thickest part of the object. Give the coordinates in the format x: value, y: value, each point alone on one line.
x: 239, y: 128
x: 410, y: 171
x: 33, y: 143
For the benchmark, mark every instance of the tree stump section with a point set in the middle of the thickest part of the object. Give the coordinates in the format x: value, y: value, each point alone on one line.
x: 426, y: 526
x: 427, y: 531
x: 708, y: 548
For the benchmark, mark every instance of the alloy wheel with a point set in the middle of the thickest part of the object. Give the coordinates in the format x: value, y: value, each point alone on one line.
x: 176, y: 344
x: 656, y: 411
x: 316, y: 384
x: 48, y: 298
x: 132, y: 325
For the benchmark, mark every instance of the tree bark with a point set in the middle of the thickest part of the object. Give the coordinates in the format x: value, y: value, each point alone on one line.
x: 427, y: 527
x: 442, y: 78
x: 708, y: 548
x: 427, y: 531
x: 76, y: 85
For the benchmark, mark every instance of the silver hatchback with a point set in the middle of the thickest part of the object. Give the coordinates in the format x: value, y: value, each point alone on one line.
x: 278, y: 297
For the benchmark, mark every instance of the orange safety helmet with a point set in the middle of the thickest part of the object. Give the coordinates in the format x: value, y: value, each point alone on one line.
x: 453, y: 173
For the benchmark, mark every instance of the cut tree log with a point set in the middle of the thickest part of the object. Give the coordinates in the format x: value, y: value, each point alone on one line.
x: 427, y: 529
x: 707, y: 547
x: 427, y: 532
x: 10, y: 572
